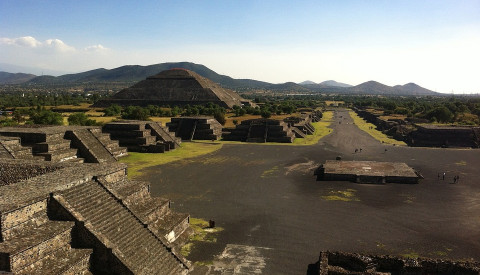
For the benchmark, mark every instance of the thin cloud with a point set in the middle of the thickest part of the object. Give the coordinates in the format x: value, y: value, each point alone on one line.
x: 95, y: 48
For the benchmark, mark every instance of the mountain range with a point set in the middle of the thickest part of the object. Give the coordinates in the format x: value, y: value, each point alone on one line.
x: 135, y: 73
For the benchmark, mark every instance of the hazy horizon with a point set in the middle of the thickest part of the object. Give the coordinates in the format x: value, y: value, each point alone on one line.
x: 431, y: 43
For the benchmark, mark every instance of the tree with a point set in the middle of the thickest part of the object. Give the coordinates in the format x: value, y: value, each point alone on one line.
x: 136, y: 113
x: 220, y: 117
x: 47, y: 117
x: 266, y: 114
x: 80, y: 119
x: 112, y: 110
x: 441, y: 114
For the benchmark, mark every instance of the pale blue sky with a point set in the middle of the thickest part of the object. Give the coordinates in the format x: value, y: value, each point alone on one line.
x: 432, y: 43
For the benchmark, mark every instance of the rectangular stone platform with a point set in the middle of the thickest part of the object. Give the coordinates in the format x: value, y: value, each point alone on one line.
x: 367, y: 172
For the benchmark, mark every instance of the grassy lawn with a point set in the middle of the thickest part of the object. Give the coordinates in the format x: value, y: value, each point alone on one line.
x: 371, y: 130
x: 138, y: 161
x: 321, y: 130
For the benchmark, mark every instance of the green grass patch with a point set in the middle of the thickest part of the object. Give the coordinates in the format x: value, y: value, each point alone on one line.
x: 202, y: 233
x: 370, y: 129
x: 341, y: 195
x: 461, y: 163
x: 138, y: 161
x: 321, y: 130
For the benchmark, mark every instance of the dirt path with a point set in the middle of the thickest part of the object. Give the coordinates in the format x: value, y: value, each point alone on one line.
x: 267, y: 197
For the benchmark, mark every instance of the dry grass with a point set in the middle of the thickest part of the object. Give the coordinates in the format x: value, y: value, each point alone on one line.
x: 370, y: 129
x: 163, y: 120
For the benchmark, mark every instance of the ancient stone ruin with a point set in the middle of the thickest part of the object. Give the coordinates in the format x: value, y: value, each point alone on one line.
x: 367, y: 172
x: 65, y: 218
x: 142, y: 136
x: 415, y: 133
x: 261, y: 130
x: 353, y: 264
x: 444, y: 136
x: 175, y: 87
x: 198, y: 128
x: 302, y: 125
x: 59, y: 144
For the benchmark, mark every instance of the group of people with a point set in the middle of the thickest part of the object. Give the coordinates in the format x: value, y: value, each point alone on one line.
x: 455, y: 178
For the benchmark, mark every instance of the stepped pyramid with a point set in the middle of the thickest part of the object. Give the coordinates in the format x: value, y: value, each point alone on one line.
x: 66, y: 218
x: 174, y: 87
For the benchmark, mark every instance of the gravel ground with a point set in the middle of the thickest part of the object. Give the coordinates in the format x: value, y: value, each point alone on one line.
x: 267, y: 196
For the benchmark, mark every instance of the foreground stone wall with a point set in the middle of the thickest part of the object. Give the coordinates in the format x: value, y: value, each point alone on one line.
x: 353, y: 263
x: 84, y: 219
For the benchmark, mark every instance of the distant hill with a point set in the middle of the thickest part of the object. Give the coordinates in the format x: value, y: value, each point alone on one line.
x: 307, y: 82
x: 18, y: 78
x: 136, y: 73
x: 288, y: 86
x: 376, y: 88
x: 333, y: 83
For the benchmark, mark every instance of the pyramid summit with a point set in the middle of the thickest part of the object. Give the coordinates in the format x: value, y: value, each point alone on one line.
x: 174, y: 87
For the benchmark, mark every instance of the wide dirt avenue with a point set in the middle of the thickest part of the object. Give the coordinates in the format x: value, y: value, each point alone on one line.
x: 273, y: 210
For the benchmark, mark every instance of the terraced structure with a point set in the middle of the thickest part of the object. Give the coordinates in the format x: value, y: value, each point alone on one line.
x: 68, y: 218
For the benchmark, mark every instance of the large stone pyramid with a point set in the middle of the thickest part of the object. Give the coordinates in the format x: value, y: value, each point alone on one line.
x: 174, y: 87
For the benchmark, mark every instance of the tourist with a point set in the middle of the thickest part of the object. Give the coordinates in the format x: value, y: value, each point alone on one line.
x: 443, y: 178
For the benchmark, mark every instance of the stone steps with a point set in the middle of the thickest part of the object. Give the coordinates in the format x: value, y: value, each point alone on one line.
x: 59, y: 155
x: 89, y: 146
x: 34, y: 244
x: 170, y: 226
x: 111, y: 145
x: 43, y: 147
x: 150, y: 209
x: 61, y: 261
x: 105, y: 217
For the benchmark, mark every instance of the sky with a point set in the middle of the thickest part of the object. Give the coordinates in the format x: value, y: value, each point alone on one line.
x: 435, y: 44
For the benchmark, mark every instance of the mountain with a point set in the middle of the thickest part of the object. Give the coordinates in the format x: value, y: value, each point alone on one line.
x: 414, y: 89
x: 333, y: 83
x: 130, y: 74
x: 135, y: 73
x: 376, y: 88
x: 307, y: 82
x: 9, y: 78
x: 288, y: 86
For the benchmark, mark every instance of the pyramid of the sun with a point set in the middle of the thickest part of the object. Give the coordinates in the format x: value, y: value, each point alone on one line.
x: 174, y: 87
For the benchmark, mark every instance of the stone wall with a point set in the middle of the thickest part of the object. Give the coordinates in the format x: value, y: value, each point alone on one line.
x: 353, y: 263
x: 261, y: 130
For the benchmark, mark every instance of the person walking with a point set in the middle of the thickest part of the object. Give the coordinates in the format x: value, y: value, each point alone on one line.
x: 443, y: 177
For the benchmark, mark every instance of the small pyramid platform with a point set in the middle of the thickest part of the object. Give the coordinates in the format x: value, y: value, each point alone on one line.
x: 174, y: 87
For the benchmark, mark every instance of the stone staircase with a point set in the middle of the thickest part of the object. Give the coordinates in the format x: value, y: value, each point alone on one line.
x: 164, y: 135
x: 111, y: 145
x: 89, y: 146
x: 11, y: 147
x: 33, y: 244
x: 110, y: 220
x: 153, y: 211
x: 57, y: 149
x: 197, y: 128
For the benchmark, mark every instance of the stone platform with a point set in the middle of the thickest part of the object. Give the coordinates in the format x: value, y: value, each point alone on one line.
x: 64, y: 218
x: 367, y: 172
x: 59, y: 144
